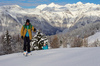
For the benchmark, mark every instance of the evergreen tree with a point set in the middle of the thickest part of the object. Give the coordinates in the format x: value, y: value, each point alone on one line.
x: 7, y: 41
x: 38, y: 41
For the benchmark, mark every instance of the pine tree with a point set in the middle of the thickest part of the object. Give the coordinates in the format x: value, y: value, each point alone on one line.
x: 7, y: 40
x: 38, y: 41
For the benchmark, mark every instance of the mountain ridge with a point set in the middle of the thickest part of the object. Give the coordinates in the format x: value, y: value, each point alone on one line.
x: 54, y: 17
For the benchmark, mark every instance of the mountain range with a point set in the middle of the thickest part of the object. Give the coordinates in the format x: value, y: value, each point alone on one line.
x: 49, y: 19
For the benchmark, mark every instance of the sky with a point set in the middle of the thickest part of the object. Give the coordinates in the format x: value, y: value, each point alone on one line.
x: 34, y: 3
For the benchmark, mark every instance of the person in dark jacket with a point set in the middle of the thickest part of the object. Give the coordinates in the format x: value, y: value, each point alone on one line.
x: 26, y: 34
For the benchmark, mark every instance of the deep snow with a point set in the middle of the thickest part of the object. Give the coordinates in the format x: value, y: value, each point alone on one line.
x: 55, y: 57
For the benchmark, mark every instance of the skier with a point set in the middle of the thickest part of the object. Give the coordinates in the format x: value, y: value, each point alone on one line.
x: 45, y: 47
x: 26, y: 34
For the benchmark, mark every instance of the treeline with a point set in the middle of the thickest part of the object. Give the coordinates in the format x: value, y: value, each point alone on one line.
x: 63, y: 41
x: 77, y: 37
x: 74, y: 38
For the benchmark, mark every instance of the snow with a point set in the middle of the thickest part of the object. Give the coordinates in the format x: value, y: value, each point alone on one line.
x: 54, y: 5
x: 51, y: 5
x: 55, y: 57
x: 60, y: 16
x: 94, y: 37
x: 41, y: 7
x: 79, y: 3
x: 51, y: 11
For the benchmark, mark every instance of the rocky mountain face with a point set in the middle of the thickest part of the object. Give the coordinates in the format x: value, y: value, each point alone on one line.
x: 50, y: 19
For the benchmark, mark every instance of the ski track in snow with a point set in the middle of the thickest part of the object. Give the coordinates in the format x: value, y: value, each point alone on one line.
x: 55, y: 57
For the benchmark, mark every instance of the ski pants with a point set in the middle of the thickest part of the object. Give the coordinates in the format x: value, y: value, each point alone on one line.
x: 26, y: 44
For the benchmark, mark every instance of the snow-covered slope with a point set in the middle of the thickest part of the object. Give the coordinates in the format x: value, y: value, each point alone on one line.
x: 55, y: 57
x: 94, y: 37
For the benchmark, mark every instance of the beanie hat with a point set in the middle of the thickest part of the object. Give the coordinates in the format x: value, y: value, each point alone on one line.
x: 28, y: 21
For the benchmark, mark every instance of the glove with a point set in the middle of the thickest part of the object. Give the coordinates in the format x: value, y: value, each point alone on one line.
x: 22, y: 37
x: 34, y: 29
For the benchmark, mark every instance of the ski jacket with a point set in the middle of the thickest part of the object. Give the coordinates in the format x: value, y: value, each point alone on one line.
x: 24, y: 30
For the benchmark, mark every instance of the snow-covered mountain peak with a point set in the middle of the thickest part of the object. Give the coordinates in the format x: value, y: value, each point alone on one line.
x: 87, y: 4
x: 15, y: 5
x: 51, y: 5
x: 41, y: 6
x: 79, y: 3
x: 10, y: 6
x: 46, y: 7
x: 54, y: 5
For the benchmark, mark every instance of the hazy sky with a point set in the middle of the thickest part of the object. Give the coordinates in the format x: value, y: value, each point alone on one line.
x: 34, y: 3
